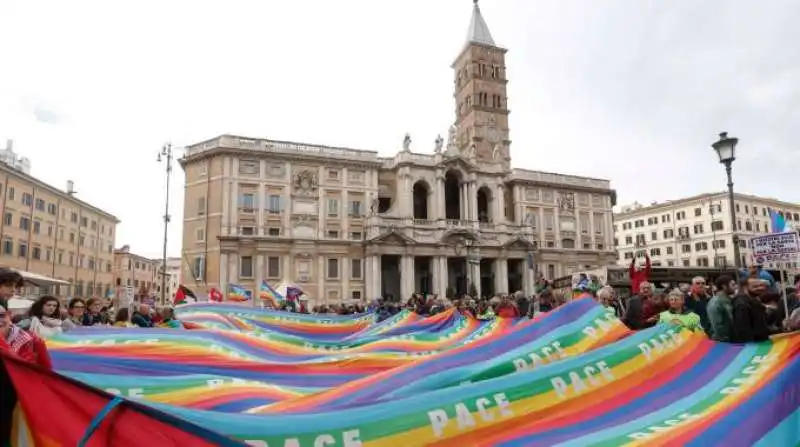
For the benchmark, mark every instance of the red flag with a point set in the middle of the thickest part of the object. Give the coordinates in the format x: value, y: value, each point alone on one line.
x: 180, y: 297
x: 58, y: 411
x: 215, y: 295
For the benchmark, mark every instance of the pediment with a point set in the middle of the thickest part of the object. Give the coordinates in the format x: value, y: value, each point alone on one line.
x: 458, y: 161
x: 392, y: 237
x: 519, y: 243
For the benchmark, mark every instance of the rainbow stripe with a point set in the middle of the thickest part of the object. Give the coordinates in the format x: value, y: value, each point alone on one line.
x: 269, y: 295
x: 572, y: 377
x: 238, y: 293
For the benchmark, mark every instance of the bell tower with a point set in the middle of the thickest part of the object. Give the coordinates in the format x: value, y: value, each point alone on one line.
x: 480, y: 93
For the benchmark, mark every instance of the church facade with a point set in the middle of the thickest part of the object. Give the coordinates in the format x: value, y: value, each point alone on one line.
x: 346, y: 224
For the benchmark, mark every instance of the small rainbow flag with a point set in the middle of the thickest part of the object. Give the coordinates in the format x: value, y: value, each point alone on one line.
x: 271, y: 296
x: 238, y: 293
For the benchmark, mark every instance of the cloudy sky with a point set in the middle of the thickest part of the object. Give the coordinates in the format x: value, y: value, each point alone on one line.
x: 630, y: 90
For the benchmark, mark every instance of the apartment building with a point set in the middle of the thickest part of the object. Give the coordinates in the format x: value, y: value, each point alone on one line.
x: 173, y: 273
x: 347, y: 224
x: 136, y: 271
x: 696, y: 231
x: 51, y: 232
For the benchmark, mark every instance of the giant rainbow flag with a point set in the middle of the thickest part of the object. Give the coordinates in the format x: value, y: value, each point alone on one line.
x: 572, y: 377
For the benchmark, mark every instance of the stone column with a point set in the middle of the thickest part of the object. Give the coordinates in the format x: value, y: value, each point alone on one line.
x: 344, y: 275
x: 591, y: 231
x: 440, y: 199
x: 501, y: 275
x: 376, y: 276
x: 261, y: 199
x: 527, y: 280
x: 344, y: 215
x: 445, y: 276
x: 368, y: 293
x: 322, y: 213
x: 406, y: 277
x: 235, y: 197
x: 500, y: 204
x: 322, y: 298
x: 287, y: 273
x: 476, y: 277
x: 259, y: 276
x: 473, y: 200
x: 408, y: 206
x: 436, y: 273
x: 223, y: 275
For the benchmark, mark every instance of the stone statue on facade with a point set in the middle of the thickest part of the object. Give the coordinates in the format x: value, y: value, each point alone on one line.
x: 437, y: 145
x: 407, y: 143
x: 497, y: 151
x: 471, y: 151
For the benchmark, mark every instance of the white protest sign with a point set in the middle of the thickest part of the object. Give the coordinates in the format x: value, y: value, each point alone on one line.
x: 127, y: 298
x: 777, y: 247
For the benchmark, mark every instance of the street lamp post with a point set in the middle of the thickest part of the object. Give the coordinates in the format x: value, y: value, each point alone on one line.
x: 726, y: 150
x: 165, y: 156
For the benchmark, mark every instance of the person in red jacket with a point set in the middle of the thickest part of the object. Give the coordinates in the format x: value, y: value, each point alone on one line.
x: 638, y: 275
x: 21, y: 343
x: 507, y: 308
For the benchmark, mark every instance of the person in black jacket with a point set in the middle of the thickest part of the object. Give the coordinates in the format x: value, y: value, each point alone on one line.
x: 749, y: 313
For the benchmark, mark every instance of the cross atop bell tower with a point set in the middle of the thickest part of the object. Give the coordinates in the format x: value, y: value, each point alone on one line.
x: 480, y: 92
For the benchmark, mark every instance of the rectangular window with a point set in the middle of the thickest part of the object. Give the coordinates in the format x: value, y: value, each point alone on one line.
x: 22, y: 251
x: 273, y: 267
x: 273, y: 204
x: 333, y: 268
x: 355, y: 269
x: 37, y: 227
x: 7, y: 218
x: 11, y: 193
x: 24, y: 223
x: 333, y: 207
x: 40, y: 204
x: 246, y: 266
x: 200, y: 235
x: 355, y: 209
x: 274, y: 232
x: 52, y: 209
x: 332, y: 234
x: 201, y: 206
x: 27, y: 199
x: 356, y: 235
x: 8, y: 247
x: 247, y: 202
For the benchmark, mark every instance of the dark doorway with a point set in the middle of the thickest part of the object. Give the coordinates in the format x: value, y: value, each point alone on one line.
x: 484, y: 205
x: 421, y: 192
x: 509, y: 203
x: 487, y: 277
x: 515, y: 270
x: 423, y: 275
x: 456, y: 277
x: 390, y: 278
x: 452, y: 195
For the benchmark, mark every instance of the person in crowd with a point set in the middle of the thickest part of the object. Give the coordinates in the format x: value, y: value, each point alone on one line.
x: 123, y: 318
x: 94, y: 313
x: 523, y: 304
x: 749, y: 313
x: 22, y: 343
x: 720, y: 309
x: 168, y: 319
x: 697, y: 301
x: 485, y: 311
x: 75, y: 309
x: 641, y: 312
x: 605, y: 297
x: 639, y: 275
x: 10, y: 282
x: 141, y: 317
x: 757, y: 270
x: 507, y: 308
x: 775, y: 312
x: 44, y: 318
x: 679, y: 314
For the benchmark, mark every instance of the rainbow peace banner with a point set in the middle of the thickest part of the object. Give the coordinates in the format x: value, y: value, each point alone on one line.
x: 575, y: 376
